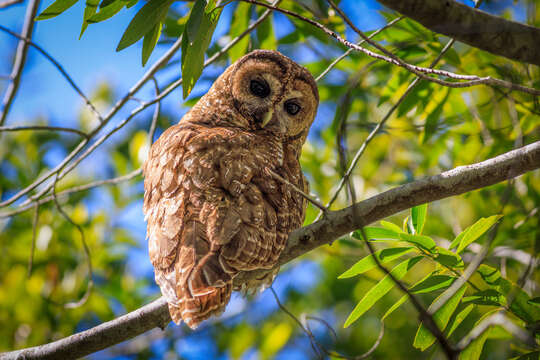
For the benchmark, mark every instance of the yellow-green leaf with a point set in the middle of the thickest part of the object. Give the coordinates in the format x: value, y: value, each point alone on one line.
x: 56, y: 8
x: 368, y: 263
x: 380, y: 289
x: 424, y: 338
x: 149, y: 42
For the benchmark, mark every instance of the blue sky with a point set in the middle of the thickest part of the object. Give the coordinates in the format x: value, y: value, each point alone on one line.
x: 93, y: 59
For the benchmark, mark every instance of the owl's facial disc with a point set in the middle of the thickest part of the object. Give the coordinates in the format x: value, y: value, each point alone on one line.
x: 273, y: 93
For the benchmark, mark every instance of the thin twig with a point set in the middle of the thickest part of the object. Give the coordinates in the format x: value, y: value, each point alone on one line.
x: 43, y: 128
x: 86, y: 295
x: 317, y: 347
x: 346, y: 53
x: 7, y: 3
x: 57, y: 65
x: 422, y: 72
x: 20, y: 59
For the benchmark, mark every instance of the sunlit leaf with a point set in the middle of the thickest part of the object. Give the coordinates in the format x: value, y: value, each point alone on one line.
x: 422, y: 241
x: 144, y: 21
x: 56, y: 8
x: 458, y: 319
x: 424, y: 338
x: 418, y: 216
x: 368, y: 263
x: 380, y: 289
x: 197, y: 35
x: 473, y: 232
x: 149, y: 42
x: 239, y: 24
x: 375, y: 233
x: 89, y: 11
x: 107, y: 12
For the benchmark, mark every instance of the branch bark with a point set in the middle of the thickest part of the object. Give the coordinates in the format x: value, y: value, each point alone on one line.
x: 335, y: 224
x: 474, y: 27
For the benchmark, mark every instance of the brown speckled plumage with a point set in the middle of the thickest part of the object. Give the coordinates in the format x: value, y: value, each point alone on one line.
x: 213, y: 210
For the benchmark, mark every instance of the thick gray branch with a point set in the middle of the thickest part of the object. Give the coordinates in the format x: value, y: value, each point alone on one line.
x: 331, y: 227
x: 474, y: 27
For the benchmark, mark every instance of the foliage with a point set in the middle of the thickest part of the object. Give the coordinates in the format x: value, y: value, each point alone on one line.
x: 435, y: 129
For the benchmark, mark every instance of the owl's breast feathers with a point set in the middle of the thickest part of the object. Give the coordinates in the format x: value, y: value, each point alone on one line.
x: 213, y: 210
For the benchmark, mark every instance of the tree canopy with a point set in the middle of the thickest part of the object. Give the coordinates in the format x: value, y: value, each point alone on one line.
x: 422, y: 234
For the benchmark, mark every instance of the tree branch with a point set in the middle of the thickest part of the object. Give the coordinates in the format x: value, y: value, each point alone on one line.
x: 476, y: 28
x: 335, y: 224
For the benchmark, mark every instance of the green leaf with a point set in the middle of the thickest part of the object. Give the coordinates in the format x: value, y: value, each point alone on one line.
x: 55, y: 9
x: 486, y: 297
x: 535, y: 355
x: 265, y: 34
x: 197, y: 36
x: 424, y: 338
x: 423, y: 241
x: 380, y: 289
x: 152, y: 13
x: 429, y: 283
x: 149, y: 42
x: 239, y: 24
x: 474, y: 350
x: 395, y: 306
x: 473, y: 232
x: 391, y: 226
x: 432, y: 283
x: 520, y: 305
x: 448, y: 258
x: 375, y: 233
x: 418, y: 215
x: 89, y: 11
x: 458, y: 319
x: 535, y: 301
x: 368, y: 263
x: 107, y: 12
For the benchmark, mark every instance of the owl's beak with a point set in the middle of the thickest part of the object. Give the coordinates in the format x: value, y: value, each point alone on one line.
x: 267, y: 117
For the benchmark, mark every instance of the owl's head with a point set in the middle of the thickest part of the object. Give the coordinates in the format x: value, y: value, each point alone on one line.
x: 268, y: 92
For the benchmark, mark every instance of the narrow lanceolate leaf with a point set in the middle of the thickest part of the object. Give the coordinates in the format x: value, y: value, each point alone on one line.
x: 106, y: 12
x: 197, y: 36
x: 56, y: 8
x: 89, y: 11
x: 375, y: 233
x: 239, y: 23
x: 418, y: 216
x: 432, y: 119
x: 380, y: 289
x: 535, y: 301
x: 520, y: 306
x: 430, y: 283
x: 458, y: 319
x: 448, y: 258
x: 473, y: 232
x: 424, y: 338
x: 422, y: 241
x: 144, y: 21
x: 149, y: 42
x: 265, y: 34
x: 368, y: 263
x: 391, y: 226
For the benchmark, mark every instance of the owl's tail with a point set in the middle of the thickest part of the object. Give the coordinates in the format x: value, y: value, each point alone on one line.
x: 203, y: 291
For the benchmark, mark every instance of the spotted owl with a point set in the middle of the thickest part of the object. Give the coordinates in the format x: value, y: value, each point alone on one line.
x: 213, y: 207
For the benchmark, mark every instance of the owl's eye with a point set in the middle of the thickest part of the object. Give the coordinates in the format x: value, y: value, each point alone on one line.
x: 292, y: 108
x: 259, y: 88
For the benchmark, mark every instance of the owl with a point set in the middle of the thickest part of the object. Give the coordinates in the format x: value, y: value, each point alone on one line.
x: 212, y: 205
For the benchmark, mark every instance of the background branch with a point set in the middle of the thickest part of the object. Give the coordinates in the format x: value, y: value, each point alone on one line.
x: 491, y: 33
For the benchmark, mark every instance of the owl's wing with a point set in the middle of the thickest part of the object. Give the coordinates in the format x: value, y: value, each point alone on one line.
x: 206, y: 219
